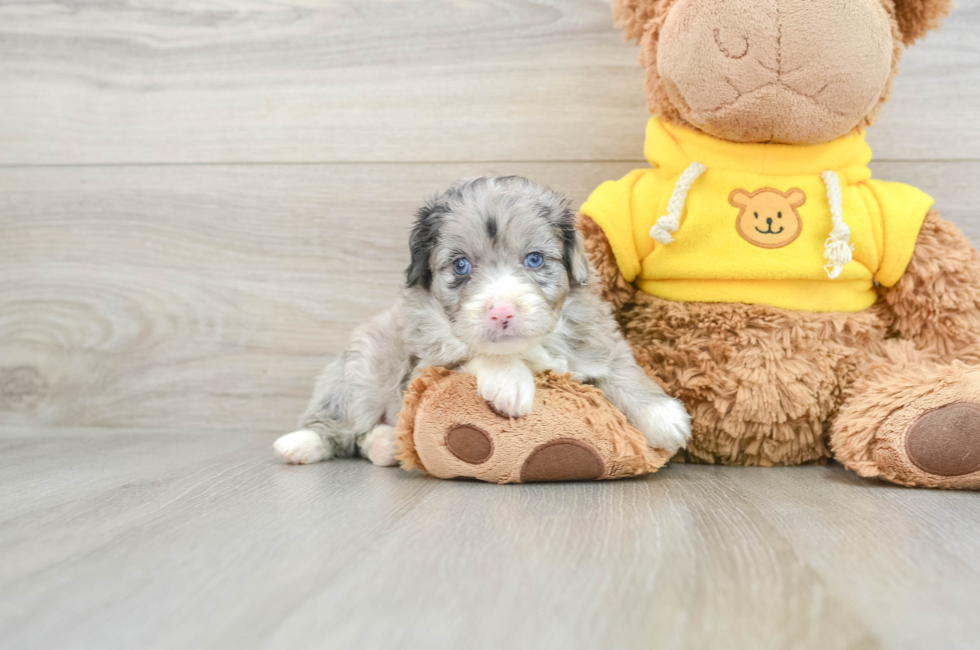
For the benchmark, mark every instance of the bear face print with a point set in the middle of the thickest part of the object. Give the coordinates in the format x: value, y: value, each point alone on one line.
x: 768, y: 217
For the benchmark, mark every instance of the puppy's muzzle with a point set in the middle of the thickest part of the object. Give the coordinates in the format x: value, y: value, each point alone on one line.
x: 500, y: 315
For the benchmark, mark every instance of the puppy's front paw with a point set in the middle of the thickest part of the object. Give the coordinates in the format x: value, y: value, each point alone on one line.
x: 665, y: 423
x: 510, y: 398
x: 301, y: 447
x: 508, y: 388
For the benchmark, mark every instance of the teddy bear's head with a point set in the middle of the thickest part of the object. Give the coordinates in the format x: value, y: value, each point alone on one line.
x: 784, y: 71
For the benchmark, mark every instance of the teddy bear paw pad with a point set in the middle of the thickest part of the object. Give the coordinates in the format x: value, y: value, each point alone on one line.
x: 946, y: 441
x: 470, y: 444
x: 562, y: 460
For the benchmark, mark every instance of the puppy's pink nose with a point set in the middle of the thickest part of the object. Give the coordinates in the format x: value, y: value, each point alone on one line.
x: 501, y: 313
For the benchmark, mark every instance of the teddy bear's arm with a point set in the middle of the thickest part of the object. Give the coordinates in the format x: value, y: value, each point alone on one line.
x: 613, y: 287
x: 936, y: 303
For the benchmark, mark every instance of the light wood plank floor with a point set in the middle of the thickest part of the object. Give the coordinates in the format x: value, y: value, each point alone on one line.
x: 141, y: 539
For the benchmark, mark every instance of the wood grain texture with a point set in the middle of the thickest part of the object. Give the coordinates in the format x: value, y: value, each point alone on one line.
x: 211, y: 543
x: 211, y: 297
x: 202, y: 297
x: 379, y: 81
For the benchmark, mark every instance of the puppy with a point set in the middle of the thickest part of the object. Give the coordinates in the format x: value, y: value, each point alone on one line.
x: 497, y: 287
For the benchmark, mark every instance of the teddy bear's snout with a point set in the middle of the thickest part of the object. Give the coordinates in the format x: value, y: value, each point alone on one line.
x: 731, y: 44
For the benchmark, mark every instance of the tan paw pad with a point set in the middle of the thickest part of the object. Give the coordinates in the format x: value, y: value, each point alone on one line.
x: 946, y: 440
x: 562, y: 460
x: 470, y: 444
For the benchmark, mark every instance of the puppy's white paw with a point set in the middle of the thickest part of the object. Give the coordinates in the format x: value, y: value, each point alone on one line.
x: 507, y: 386
x: 379, y: 446
x: 665, y: 423
x: 511, y: 398
x: 302, y: 447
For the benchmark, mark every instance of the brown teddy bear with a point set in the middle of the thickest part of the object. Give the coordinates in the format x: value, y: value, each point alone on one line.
x: 801, y: 309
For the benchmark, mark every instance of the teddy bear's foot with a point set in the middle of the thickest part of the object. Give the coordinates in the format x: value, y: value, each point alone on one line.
x: 927, y: 431
x: 572, y: 434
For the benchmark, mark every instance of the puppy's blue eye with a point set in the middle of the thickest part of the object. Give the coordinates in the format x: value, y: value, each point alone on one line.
x: 462, y: 266
x: 534, y: 260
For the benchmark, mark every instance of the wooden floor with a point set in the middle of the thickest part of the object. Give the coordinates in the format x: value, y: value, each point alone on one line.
x: 193, y: 539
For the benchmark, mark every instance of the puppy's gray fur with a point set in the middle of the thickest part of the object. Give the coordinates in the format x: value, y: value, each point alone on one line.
x: 441, y: 320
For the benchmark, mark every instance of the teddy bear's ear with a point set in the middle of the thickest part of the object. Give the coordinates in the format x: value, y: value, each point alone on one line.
x: 918, y: 17
x: 795, y: 197
x: 632, y: 16
x: 739, y: 198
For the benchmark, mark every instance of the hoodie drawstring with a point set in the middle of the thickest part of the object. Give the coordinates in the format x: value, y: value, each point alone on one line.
x: 837, y: 250
x: 668, y: 224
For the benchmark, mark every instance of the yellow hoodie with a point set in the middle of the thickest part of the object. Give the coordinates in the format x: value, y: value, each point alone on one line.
x: 797, y: 227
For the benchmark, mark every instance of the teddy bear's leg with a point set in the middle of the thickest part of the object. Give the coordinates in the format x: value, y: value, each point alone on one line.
x: 914, y: 412
x: 912, y: 419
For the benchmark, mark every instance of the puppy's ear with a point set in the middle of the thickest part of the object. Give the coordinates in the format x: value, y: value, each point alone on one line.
x: 632, y: 16
x: 917, y: 17
x: 425, y: 234
x: 579, y: 271
x: 573, y: 253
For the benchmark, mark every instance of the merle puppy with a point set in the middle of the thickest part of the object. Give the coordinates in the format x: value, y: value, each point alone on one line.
x: 497, y: 287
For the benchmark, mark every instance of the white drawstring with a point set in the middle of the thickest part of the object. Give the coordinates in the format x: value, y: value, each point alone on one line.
x: 837, y: 249
x: 668, y: 224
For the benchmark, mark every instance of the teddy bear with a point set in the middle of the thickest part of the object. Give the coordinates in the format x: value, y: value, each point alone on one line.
x: 801, y: 309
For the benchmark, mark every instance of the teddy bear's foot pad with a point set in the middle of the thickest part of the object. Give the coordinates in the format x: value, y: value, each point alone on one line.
x: 562, y: 460
x: 470, y: 444
x: 946, y: 440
